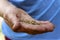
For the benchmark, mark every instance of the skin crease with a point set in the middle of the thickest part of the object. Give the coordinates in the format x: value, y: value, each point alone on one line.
x: 13, y: 16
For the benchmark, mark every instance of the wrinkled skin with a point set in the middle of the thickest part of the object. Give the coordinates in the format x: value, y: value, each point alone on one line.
x: 13, y: 17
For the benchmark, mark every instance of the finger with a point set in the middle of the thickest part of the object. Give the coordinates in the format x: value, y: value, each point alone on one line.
x: 33, y: 27
x: 44, y: 22
x: 50, y: 27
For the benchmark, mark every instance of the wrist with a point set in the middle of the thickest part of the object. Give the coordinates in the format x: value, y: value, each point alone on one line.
x: 4, y: 7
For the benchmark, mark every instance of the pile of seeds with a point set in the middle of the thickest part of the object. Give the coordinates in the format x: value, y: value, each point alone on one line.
x: 30, y: 22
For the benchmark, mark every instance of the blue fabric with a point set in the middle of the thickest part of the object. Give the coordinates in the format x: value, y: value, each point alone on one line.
x: 39, y: 10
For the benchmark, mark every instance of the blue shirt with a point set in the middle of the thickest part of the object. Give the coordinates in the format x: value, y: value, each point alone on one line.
x: 39, y: 10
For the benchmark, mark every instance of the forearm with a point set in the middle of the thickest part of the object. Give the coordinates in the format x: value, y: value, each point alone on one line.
x: 4, y: 5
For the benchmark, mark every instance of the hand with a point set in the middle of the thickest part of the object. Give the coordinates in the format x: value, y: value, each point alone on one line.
x: 17, y: 19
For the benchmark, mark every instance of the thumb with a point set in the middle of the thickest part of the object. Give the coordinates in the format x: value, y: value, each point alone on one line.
x: 16, y: 26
